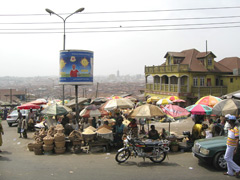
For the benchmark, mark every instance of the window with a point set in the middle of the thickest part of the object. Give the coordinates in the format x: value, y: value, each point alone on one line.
x: 169, y: 60
x: 201, y: 81
x: 221, y: 82
x: 195, y: 81
x: 231, y: 80
x: 210, y: 61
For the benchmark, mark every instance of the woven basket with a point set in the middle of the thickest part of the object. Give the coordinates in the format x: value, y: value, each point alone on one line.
x: 47, y: 148
x: 48, y: 141
x: 88, y: 137
x: 59, y: 150
x: 37, y: 151
x: 60, y: 144
x: 59, y: 138
x: 37, y: 145
x: 30, y: 146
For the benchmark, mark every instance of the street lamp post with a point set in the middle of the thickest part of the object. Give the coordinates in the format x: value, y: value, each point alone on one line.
x: 64, y: 36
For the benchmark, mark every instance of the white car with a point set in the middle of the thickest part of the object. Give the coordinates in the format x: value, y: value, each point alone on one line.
x: 12, y: 117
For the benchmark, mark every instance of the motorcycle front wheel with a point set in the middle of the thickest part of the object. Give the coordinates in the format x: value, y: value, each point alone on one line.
x: 122, y: 155
x: 160, y: 158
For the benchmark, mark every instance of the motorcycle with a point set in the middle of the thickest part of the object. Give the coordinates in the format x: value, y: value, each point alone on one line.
x: 156, y: 151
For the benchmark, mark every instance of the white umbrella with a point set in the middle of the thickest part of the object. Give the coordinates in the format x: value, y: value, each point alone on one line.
x: 118, y: 103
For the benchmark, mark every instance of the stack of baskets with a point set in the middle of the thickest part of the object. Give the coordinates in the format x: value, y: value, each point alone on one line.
x: 37, y: 146
x: 48, y: 144
x: 59, y: 141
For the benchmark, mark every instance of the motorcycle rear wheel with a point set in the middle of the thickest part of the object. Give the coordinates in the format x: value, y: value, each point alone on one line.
x: 122, y: 155
x: 160, y: 158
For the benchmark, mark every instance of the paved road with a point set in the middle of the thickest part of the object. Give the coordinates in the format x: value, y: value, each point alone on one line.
x: 17, y: 163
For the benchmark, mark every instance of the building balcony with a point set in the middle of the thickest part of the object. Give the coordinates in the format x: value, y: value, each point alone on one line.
x: 166, y: 69
x: 173, y: 90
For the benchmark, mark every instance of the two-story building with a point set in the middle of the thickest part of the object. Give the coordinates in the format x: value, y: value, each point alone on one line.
x: 191, y: 74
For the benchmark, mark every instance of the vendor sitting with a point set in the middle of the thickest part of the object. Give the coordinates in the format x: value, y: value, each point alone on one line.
x: 153, y: 133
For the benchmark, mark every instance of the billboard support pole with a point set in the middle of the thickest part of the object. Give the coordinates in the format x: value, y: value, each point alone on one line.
x: 76, y: 106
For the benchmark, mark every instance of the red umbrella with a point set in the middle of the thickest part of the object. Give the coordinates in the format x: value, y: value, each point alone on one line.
x: 37, y: 102
x: 29, y: 106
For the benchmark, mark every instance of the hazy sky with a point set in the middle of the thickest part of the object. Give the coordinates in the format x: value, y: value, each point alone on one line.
x: 37, y: 54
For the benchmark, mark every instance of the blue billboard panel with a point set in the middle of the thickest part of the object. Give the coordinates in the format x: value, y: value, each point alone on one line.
x: 76, y: 67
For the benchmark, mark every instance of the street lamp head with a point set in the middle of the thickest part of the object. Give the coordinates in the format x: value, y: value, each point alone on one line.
x: 79, y: 10
x: 50, y: 11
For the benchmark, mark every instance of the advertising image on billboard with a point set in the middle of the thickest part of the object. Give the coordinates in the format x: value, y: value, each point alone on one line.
x: 76, y: 67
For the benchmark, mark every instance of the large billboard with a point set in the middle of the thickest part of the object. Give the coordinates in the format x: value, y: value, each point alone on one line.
x: 76, y: 67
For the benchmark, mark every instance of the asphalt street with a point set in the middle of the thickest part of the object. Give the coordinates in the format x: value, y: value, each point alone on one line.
x: 17, y: 162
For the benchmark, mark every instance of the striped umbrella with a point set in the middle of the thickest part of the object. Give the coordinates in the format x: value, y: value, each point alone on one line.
x: 208, y: 100
x: 199, y: 109
x: 227, y: 106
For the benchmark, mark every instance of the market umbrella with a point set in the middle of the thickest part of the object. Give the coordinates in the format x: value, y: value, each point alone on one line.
x: 153, y: 99
x: 37, y: 102
x: 146, y: 111
x: 178, y: 100
x: 118, y: 103
x: 93, y: 111
x: 227, y: 106
x: 164, y: 102
x: 208, y: 100
x: 115, y: 97
x: 29, y: 106
x: 199, y: 109
x: 176, y: 112
x: 172, y: 98
x: 56, y: 110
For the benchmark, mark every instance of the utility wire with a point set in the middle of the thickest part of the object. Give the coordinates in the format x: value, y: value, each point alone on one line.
x: 132, y: 20
x: 120, y: 12
x: 138, y: 30
x: 123, y: 27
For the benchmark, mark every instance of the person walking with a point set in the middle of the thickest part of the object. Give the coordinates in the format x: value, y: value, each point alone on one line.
x: 1, y: 133
x: 20, y: 119
x: 232, y: 146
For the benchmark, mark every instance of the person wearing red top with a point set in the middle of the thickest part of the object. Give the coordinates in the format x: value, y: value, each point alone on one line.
x: 74, y: 71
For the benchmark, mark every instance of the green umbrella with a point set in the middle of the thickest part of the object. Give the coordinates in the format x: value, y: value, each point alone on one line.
x: 56, y: 110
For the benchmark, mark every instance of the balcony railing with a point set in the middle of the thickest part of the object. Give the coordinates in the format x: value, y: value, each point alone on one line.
x: 165, y: 68
x: 209, y: 90
x: 195, y: 91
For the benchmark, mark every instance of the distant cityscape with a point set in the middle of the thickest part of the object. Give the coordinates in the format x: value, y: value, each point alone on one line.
x: 48, y: 87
